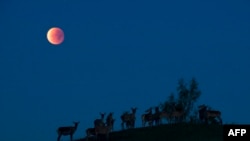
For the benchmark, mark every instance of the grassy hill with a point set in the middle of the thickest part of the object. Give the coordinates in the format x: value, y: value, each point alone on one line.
x: 178, y: 132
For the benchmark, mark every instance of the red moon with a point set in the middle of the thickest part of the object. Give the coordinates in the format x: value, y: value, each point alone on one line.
x: 55, y: 35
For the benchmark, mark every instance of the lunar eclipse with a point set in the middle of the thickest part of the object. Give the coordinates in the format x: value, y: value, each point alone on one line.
x: 55, y: 35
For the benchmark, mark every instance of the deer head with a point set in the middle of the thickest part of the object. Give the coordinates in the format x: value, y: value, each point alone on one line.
x: 102, y: 115
x: 76, y: 124
x: 133, y: 110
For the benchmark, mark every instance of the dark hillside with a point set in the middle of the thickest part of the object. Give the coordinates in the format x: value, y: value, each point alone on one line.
x: 180, y: 132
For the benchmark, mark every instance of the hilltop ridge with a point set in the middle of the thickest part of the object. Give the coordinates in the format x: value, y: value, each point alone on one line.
x: 176, y: 132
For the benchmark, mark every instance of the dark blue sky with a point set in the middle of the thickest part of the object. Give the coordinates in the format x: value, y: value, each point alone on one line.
x: 116, y: 55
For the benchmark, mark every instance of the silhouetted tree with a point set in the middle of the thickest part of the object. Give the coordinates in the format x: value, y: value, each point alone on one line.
x: 168, y: 105
x: 187, y: 96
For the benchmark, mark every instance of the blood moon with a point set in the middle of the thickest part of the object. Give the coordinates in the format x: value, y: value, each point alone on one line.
x: 55, y: 35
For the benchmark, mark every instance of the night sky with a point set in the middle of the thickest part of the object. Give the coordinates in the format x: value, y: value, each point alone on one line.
x: 117, y: 55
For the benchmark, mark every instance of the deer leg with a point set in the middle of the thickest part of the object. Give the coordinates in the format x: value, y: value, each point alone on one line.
x: 206, y: 120
x: 107, y: 137
x: 71, y: 137
x: 58, y: 138
x: 98, y: 138
x: 87, y: 133
x: 143, y: 123
x: 132, y: 124
x: 127, y: 124
x: 122, y: 126
x: 87, y: 138
x: 151, y: 123
x: 220, y: 120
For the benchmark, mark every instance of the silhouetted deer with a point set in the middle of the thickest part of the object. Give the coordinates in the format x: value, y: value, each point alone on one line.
x: 125, y: 118
x: 90, y: 132
x: 205, y: 114
x: 102, y: 133
x: 100, y: 122
x: 176, y: 116
x: 148, y: 117
x: 110, y: 121
x: 67, y: 130
x: 97, y: 123
x: 129, y: 119
x: 156, y: 116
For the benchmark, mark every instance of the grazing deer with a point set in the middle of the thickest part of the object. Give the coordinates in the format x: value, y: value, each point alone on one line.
x: 110, y: 121
x: 67, y: 130
x: 148, y: 117
x: 129, y: 119
x: 207, y: 115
